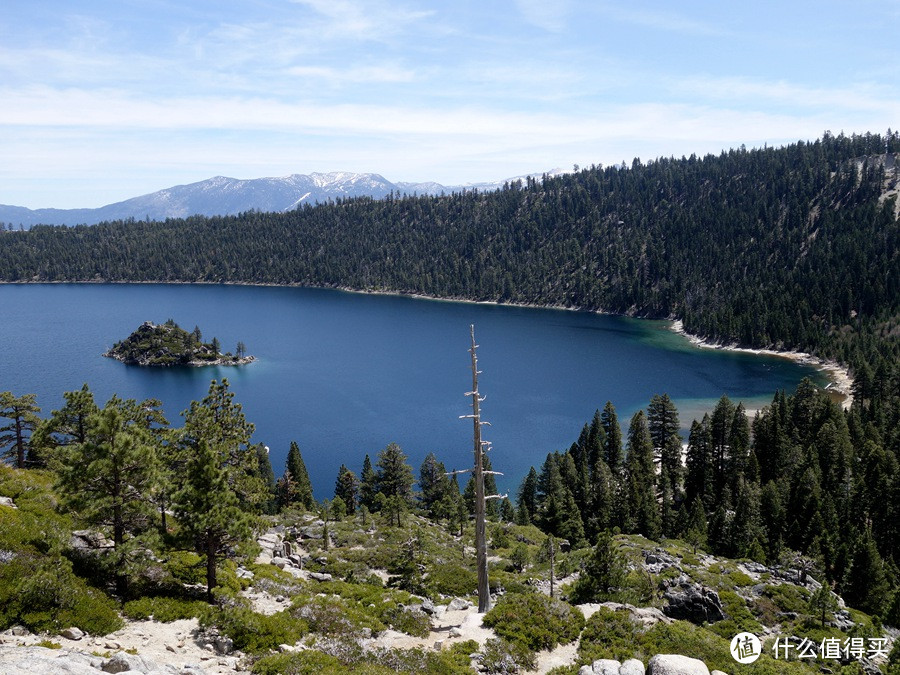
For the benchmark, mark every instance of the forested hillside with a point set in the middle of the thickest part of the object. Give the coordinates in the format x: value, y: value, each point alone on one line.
x: 793, y: 247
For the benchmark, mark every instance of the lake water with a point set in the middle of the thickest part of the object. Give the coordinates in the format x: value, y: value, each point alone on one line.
x: 344, y: 374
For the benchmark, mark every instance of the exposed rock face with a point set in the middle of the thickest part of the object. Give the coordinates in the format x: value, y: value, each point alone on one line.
x: 676, y: 664
x: 43, y: 661
x: 691, y: 602
x: 613, y: 667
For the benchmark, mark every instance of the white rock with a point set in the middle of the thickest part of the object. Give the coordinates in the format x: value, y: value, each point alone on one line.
x: 632, y: 667
x: 605, y: 667
x: 676, y: 664
x: 72, y: 633
x: 7, y: 501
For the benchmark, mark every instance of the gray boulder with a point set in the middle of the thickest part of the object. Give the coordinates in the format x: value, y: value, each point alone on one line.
x: 123, y: 662
x: 33, y: 660
x: 8, y: 501
x: 605, y: 667
x: 676, y: 664
x: 690, y: 602
x: 72, y: 633
x: 632, y: 667
x: 457, y: 604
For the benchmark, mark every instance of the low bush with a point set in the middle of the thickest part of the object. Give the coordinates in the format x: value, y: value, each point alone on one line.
x: 451, y: 579
x: 788, y: 597
x: 186, y: 567
x: 254, y: 632
x: 740, y: 618
x: 533, y: 620
x: 42, y: 594
x: 334, y: 617
x: 502, y: 657
x: 613, y: 635
x: 453, y: 661
x: 165, y: 609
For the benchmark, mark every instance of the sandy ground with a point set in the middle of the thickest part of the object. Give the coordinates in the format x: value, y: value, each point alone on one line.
x: 841, y: 382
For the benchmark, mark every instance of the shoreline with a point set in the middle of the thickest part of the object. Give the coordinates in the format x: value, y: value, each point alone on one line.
x: 841, y: 382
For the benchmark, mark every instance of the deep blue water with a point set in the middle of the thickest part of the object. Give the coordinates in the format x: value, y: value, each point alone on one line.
x: 345, y: 374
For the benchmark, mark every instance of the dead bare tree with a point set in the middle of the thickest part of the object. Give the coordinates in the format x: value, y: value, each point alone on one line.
x: 480, y: 447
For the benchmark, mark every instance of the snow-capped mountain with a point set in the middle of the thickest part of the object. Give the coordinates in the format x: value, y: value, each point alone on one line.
x: 226, y: 196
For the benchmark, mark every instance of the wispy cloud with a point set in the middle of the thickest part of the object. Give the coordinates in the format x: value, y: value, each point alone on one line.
x: 362, y: 19
x: 661, y: 19
x: 863, y: 97
x: 551, y: 15
x: 355, y: 74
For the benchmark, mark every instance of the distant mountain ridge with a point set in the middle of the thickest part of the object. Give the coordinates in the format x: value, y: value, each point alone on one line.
x: 221, y: 195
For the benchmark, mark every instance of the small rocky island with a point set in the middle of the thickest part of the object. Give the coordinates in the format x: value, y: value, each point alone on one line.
x: 170, y: 345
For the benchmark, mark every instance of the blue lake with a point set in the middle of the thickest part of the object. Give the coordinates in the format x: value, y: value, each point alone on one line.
x: 344, y: 374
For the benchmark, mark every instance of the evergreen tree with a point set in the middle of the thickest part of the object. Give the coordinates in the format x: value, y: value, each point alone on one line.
x: 267, y: 476
x: 867, y: 586
x: 302, y: 494
x: 21, y: 411
x: 65, y: 426
x: 110, y: 478
x: 346, y: 488
x: 435, y: 486
x: 613, y: 450
x: 603, y: 575
x: 720, y: 426
x: 528, y: 493
x: 220, y: 422
x: 602, y: 496
x: 507, y: 512
x: 823, y: 602
x: 210, y: 510
x: 643, y: 508
x: 368, y: 486
x: 747, y: 519
x: 696, y: 527
x: 662, y: 422
x: 699, y: 477
x: 393, y: 476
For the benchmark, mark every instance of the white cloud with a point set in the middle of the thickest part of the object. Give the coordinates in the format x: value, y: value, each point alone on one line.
x: 550, y: 15
x: 355, y: 74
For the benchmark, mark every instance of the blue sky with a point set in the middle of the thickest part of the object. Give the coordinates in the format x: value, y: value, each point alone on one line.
x: 101, y: 101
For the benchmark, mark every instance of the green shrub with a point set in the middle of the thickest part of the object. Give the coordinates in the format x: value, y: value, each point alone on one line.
x: 164, y: 609
x: 334, y: 617
x: 186, y: 567
x: 307, y: 662
x: 501, y: 656
x: 254, y: 632
x: 614, y: 635
x: 452, y: 579
x: 788, y: 597
x: 453, y: 661
x: 740, y: 618
x: 536, y: 621
x: 405, y: 620
x: 609, y: 634
x: 43, y: 594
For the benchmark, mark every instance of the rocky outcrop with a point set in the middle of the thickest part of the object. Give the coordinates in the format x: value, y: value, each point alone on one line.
x: 613, y: 667
x: 676, y: 664
x: 33, y: 660
x: 691, y: 602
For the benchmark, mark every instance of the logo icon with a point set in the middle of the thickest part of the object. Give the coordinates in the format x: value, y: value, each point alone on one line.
x: 745, y: 647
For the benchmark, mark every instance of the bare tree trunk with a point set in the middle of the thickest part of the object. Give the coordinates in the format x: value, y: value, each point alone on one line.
x: 210, y: 567
x: 484, y: 588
